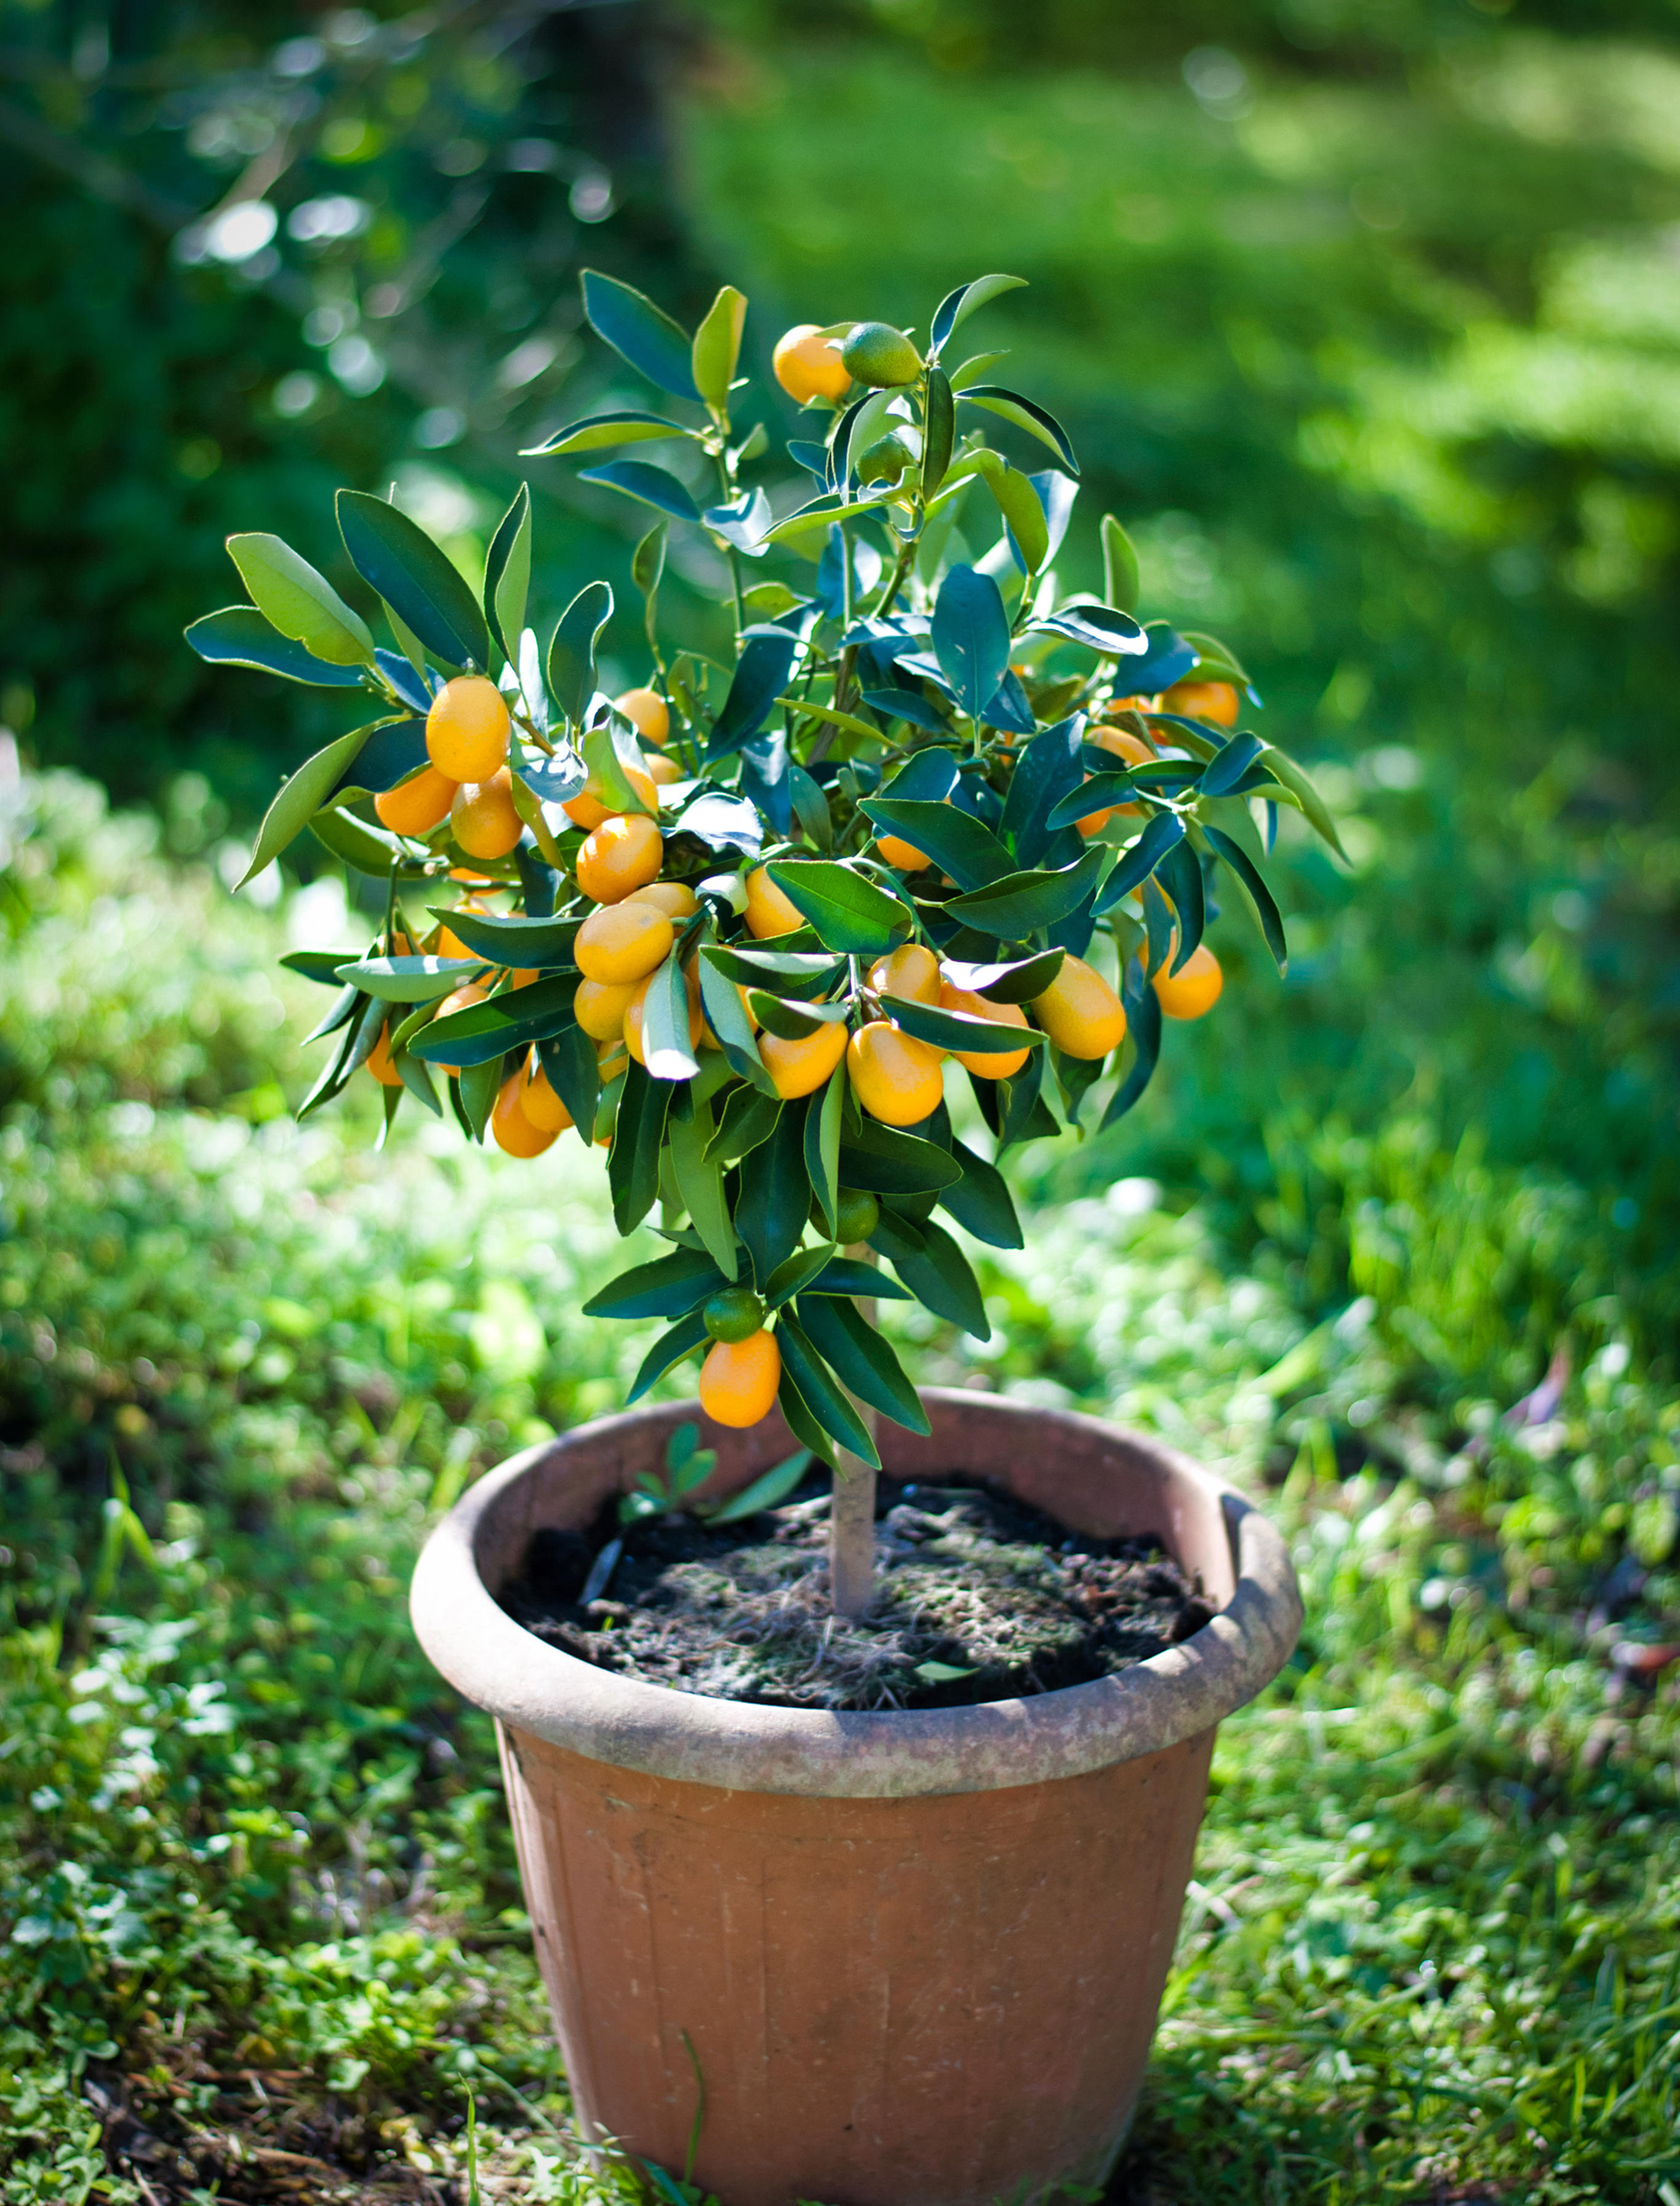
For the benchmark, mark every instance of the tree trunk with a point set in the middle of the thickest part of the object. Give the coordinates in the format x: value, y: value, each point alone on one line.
x: 851, y: 1525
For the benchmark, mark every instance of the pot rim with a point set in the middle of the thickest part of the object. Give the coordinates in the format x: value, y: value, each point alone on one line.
x: 742, y: 1746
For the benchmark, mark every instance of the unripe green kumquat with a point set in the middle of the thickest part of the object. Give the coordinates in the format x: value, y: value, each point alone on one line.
x: 896, y: 1078
x: 620, y: 855
x: 858, y: 1214
x: 1080, y: 1011
x: 739, y: 1379
x: 467, y: 729
x: 733, y: 1314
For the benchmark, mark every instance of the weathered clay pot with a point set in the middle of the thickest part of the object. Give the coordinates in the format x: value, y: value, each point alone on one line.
x: 918, y: 1955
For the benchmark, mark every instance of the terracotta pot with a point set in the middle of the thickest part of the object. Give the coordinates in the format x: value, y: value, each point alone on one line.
x: 918, y: 1956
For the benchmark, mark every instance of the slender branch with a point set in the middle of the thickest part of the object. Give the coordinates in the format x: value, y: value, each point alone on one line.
x: 851, y: 1522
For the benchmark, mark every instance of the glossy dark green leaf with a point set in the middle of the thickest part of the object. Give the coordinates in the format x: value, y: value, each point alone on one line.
x: 647, y: 563
x: 970, y: 636
x: 682, y: 1339
x: 511, y: 1020
x: 746, y: 1122
x: 952, y: 1030
x: 238, y: 637
x: 766, y: 660
x: 794, y: 1273
x: 370, y: 849
x: 301, y: 797
x: 940, y: 432
x: 794, y: 1021
x: 775, y: 1197
x: 1265, y: 909
x: 804, y: 974
x: 571, y: 651
x: 940, y: 1277
x: 981, y: 1201
x: 1021, y: 903
x: 300, y: 603
x: 1221, y: 775
x: 957, y: 843
x: 1122, y: 585
x: 1026, y: 1116
x: 476, y: 1091
x: 726, y: 1016
x: 569, y: 1060
x: 1076, y: 1077
x: 821, y: 1392
x: 665, y: 1024
x: 845, y: 1275
x: 633, y: 1161
x: 668, y: 1287
x: 1160, y: 925
x: 1102, y: 790
x: 507, y: 574
x: 811, y: 807
x: 1300, y: 784
x: 420, y: 585
x: 1179, y: 875
x: 655, y: 486
x: 928, y: 776
x: 1049, y: 769
x: 1015, y: 982
x: 889, y: 1162
x: 849, y: 912
x: 600, y: 432
x: 955, y: 307
x: 861, y: 1361
x: 409, y: 980
x: 800, y: 1423
x: 1022, y: 510
x: 716, y: 347
x: 1025, y: 413
x: 1136, y: 864
x: 1217, y: 661
x: 822, y: 1146
x: 1101, y: 628
x: 641, y: 332
x: 1141, y: 1048
x: 509, y: 939
x: 318, y: 965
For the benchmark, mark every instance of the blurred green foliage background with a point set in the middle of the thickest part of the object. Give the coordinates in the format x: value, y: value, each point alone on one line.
x: 1365, y: 316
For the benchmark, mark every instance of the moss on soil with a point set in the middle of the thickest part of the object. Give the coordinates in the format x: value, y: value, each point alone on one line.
x: 979, y: 1599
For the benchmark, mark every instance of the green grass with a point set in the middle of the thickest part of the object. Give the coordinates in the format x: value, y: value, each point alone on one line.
x: 249, y: 1844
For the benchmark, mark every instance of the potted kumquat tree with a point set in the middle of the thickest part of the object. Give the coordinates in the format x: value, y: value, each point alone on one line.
x: 856, y: 1737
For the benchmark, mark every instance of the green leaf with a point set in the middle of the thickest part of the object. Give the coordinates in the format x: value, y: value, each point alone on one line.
x: 1020, y: 904
x: 940, y: 1277
x: 1140, y: 862
x: 957, y: 843
x: 811, y: 807
x: 955, y: 1030
x: 940, y: 432
x: 665, y: 1024
x: 599, y: 432
x: 970, y: 637
x: 848, y: 911
x: 477, y: 1088
x: 409, y: 980
x: 1215, y: 661
x: 822, y: 1147
x: 510, y: 940
x: 861, y: 1359
x: 1180, y: 875
x: 803, y: 1426
x: 844, y: 1275
x: 640, y: 333
x: 767, y: 655
x: 746, y: 1122
x: 822, y: 1393
x: 633, y: 1161
x: 511, y: 1020
x: 370, y: 849
x: 955, y: 307
x: 666, y: 1288
x: 1142, y: 1047
x: 804, y: 974
x: 683, y: 1337
x: 507, y: 574
x: 792, y: 1022
x: 647, y: 564
x: 318, y: 965
x: 775, y: 1197
x: 1299, y: 782
x: 653, y: 486
x: 238, y: 637
x: 718, y: 348
x: 303, y: 796
x: 770, y: 1487
x: 1019, y: 503
x: 397, y: 557
x: 1265, y: 909
x: 700, y: 1185
x: 794, y: 1273
x: 571, y: 653
x: 1015, y: 982
x: 574, y: 1074
x: 981, y: 1201
x: 1026, y: 414
x: 300, y: 603
x: 1121, y: 584
x: 888, y: 1162
x: 726, y: 1016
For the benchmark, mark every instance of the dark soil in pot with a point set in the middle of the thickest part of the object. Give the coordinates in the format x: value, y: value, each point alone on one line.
x: 980, y: 1597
